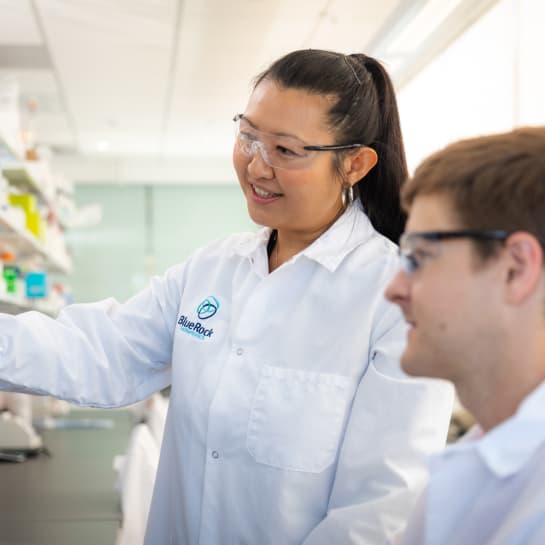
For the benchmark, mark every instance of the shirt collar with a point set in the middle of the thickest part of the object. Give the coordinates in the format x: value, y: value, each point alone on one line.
x: 350, y: 230
x: 251, y: 242
x: 509, y: 446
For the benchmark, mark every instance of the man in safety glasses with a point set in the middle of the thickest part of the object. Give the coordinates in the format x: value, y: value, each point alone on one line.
x: 472, y: 289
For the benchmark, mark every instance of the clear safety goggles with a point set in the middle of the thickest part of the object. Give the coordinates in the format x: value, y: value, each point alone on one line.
x: 277, y: 150
x: 418, y: 247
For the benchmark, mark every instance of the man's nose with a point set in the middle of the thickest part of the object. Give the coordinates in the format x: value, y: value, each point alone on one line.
x: 397, y: 291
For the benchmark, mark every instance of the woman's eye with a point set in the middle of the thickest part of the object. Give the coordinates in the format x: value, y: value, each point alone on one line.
x: 285, y: 151
x: 247, y: 136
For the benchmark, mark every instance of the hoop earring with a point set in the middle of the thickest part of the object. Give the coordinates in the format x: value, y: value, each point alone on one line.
x: 347, y: 195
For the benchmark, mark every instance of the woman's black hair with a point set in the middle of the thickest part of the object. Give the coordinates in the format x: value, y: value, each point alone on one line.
x: 365, y: 112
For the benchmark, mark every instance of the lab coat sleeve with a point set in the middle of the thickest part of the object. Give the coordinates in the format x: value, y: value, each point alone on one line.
x: 103, y: 354
x: 395, y: 422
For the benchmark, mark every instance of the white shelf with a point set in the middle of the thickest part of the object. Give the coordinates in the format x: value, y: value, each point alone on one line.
x: 13, y: 305
x: 24, y: 175
x: 24, y: 244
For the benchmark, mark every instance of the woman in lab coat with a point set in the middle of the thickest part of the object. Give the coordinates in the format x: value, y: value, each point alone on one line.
x: 290, y: 420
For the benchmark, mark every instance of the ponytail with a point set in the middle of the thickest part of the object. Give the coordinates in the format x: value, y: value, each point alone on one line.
x: 379, y: 191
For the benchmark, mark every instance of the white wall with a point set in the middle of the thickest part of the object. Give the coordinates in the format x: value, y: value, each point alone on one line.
x: 489, y: 80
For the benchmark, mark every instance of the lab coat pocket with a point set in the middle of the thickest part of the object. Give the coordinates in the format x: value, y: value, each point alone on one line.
x: 296, y: 419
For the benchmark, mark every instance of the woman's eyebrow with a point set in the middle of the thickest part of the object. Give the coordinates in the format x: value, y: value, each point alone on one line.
x: 253, y: 125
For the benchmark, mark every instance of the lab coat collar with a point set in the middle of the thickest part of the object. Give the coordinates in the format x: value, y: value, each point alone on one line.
x: 252, y: 242
x: 508, y: 447
x: 349, y: 231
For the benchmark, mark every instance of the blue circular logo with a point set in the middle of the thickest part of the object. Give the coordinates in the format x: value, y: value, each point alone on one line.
x: 208, y: 308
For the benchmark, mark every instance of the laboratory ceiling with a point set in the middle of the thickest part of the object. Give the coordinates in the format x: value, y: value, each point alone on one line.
x: 148, y: 83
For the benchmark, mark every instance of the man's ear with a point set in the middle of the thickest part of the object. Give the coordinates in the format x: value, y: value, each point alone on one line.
x: 524, y: 266
x: 357, y: 164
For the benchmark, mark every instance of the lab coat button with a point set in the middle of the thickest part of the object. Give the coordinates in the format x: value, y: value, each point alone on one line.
x: 240, y: 351
x: 215, y: 454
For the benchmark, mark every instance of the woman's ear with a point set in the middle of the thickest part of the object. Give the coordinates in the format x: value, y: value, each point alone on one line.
x: 357, y: 164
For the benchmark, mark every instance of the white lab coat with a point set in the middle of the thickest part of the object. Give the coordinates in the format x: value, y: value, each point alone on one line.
x: 290, y: 420
x: 488, y: 489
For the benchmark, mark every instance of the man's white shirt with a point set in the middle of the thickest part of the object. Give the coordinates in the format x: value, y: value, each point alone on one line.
x: 488, y: 489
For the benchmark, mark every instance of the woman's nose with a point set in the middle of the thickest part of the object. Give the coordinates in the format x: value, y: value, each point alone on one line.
x: 258, y: 166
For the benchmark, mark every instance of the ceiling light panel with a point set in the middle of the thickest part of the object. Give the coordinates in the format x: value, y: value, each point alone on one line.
x: 348, y: 26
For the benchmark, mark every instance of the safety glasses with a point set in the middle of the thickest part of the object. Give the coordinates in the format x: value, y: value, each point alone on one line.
x: 417, y: 247
x: 278, y: 150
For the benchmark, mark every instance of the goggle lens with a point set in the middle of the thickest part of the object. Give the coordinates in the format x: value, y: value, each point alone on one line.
x: 277, y: 151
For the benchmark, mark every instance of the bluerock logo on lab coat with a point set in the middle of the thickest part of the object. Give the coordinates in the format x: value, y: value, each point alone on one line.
x: 206, y: 309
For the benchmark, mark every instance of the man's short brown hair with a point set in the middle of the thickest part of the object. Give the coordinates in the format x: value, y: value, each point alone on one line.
x: 493, y: 182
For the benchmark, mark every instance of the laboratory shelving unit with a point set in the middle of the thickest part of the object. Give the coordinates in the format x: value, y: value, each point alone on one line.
x: 25, y: 245
x: 13, y: 305
x: 17, y: 239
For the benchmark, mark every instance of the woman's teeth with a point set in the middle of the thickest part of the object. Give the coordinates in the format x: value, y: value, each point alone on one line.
x: 264, y: 194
